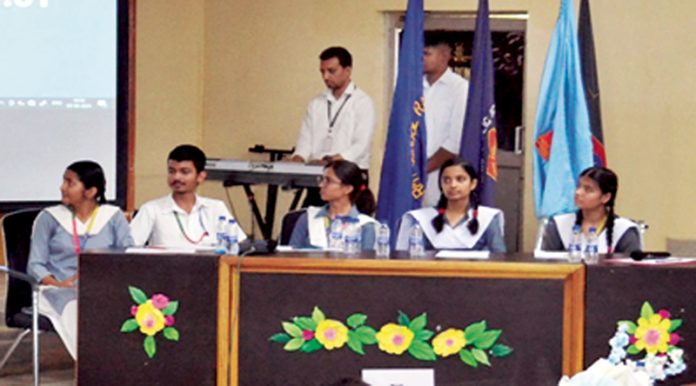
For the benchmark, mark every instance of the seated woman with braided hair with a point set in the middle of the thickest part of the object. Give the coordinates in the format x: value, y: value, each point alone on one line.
x: 595, y: 198
x: 458, y: 221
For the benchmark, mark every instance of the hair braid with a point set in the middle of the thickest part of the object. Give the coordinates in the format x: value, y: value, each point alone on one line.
x: 439, y: 220
x: 610, y: 227
x: 473, y: 225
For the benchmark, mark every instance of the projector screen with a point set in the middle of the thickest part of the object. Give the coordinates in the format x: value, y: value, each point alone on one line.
x: 59, y: 95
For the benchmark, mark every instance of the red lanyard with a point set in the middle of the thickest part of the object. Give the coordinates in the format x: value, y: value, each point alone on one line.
x: 183, y: 232
x: 76, y: 239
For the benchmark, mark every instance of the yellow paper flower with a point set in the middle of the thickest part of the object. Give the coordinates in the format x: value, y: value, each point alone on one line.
x: 394, y: 339
x: 653, y: 334
x: 449, y: 342
x: 331, y: 334
x: 149, y: 318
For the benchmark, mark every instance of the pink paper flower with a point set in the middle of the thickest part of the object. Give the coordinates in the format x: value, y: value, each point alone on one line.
x: 160, y: 301
x: 307, y: 334
x: 168, y: 320
x: 674, y: 339
x: 134, y: 310
x: 664, y: 314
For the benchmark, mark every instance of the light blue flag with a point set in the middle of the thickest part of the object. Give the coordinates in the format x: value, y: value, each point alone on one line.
x: 401, y: 186
x: 562, y: 136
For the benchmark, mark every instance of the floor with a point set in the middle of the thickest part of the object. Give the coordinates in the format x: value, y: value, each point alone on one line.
x: 48, y: 378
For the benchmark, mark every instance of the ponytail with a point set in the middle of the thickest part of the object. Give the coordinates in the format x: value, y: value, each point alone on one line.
x: 365, y: 200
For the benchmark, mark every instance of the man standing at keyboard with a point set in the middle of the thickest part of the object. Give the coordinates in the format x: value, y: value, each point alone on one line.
x: 339, y: 122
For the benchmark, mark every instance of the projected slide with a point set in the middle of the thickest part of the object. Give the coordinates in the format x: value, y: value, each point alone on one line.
x: 58, y: 66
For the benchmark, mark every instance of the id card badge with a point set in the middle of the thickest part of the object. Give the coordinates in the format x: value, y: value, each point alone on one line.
x: 327, y: 145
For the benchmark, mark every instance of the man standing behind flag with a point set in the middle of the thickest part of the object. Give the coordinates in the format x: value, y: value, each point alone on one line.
x: 445, y: 104
x: 563, y: 147
x: 479, y: 138
x: 401, y: 186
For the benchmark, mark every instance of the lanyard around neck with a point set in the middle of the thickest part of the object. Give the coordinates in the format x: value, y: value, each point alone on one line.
x: 78, y: 243
x: 183, y: 232
x: 332, y: 121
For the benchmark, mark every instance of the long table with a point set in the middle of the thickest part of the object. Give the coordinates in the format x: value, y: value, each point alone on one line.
x: 557, y: 317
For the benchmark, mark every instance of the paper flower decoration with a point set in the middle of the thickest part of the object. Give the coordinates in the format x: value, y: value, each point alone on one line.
x: 653, y: 333
x: 150, y: 316
x: 474, y: 344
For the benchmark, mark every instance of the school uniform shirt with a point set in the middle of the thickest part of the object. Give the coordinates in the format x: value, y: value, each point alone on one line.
x: 455, y: 236
x: 350, y: 135
x: 445, y: 106
x: 559, y: 233
x: 313, y: 227
x: 53, y: 251
x: 162, y: 223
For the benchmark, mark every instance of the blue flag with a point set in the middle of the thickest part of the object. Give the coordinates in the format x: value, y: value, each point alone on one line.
x: 563, y: 144
x: 402, y: 183
x: 479, y: 138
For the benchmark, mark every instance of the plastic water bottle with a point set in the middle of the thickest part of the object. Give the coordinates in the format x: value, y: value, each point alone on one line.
x: 575, y: 247
x: 232, y: 237
x: 383, y: 234
x: 592, y: 249
x: 352, y: 237
x: 220, y: 235
x: 336, y: 235
x: 416, y: 247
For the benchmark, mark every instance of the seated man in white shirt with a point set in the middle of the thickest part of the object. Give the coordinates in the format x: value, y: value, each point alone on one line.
x: 339, y: 122
x: 182, y: 218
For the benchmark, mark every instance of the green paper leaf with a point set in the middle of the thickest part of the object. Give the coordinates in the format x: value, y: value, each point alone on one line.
x: 354, y: 342
x: 674, y: 324
x: 487, y: 339
x: 318, y: 315
x: 280, y: 338
x: 366, y: 334
x: 305, y: 323
x: 150, y: 346
x: 422, y: 351
x: 467, y: 357
x: 356, y: 320
x: 633, y: 350
x: 137, y: 295
x: 171, y: 308
x: 501, y: 350
x: 292, y: 329
x: 403, y: 319
x: 424, y: 335
x: 630, y: 326
x: 311, y: 346
x: 129, y: 325
x: 294, y: 344
x: 472, y: 331
x: 481, y: 356
x: 171, y: 333
x: 646, y: 311
x: 418, y: 323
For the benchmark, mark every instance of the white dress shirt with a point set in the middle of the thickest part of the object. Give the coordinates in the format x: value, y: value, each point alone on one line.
x: 156, y: 223
x: 353, y: 117
x: 445, y: 106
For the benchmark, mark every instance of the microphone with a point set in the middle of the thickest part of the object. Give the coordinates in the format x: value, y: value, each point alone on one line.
x: 642, y: 255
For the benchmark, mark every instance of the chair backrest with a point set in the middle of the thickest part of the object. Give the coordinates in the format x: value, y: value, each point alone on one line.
x: 288, y: 225
x: 681, y: 247
x: 16, y: 231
